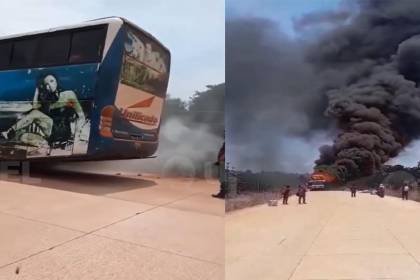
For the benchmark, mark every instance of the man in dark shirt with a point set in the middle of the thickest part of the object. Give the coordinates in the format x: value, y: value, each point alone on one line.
x: 302, y: 194
x: 286, y: 194
x: 222, y: 173
x: 353, y: 190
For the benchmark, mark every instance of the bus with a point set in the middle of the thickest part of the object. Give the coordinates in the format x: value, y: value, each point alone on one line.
x: 321, y: 180
x: 90, y: 91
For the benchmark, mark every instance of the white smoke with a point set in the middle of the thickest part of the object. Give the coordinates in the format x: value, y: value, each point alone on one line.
x: 184, y: 150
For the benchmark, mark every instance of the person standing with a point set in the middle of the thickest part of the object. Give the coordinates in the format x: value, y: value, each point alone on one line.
x: 302, y: 194
x: 286, y: 194
x: 222, y: 173
x: 304, y: 190
x: 405, y: 191
x: 353, y: 190
x: 381, y: 190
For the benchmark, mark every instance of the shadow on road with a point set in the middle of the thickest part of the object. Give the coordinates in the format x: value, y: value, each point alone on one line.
x: 82, y: 182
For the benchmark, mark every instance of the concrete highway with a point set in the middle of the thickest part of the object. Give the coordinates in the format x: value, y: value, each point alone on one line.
x: 334, y: 236
x: 72, y: 225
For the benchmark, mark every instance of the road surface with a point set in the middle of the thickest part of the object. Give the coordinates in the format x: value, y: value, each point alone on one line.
x: 71, y: 225
x: 333, y: 237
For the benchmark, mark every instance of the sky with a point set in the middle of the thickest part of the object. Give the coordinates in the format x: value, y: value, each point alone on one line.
x: 194, y: 31
x: 281, y: 11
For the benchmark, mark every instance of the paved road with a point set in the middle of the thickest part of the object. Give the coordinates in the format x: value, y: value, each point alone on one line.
x: 333, y: 237
x: 71, y: 225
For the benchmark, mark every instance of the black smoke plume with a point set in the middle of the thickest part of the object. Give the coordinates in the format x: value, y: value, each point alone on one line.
x: 360, y: 74
x: 373, y: 63
x: 269, y: 96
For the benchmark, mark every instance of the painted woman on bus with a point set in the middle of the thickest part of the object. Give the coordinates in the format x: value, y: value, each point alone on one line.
x: 50, y: 117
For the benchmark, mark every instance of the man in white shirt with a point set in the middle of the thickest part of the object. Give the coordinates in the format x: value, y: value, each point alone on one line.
x: 405, y: 191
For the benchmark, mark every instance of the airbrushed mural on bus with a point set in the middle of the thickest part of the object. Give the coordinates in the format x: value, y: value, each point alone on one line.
x: 56, y: 121
x: 86, y: 92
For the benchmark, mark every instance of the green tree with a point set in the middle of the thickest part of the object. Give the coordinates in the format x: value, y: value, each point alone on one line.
x: 204, y: 108
x: 208, y: 107
x: 174, y: 107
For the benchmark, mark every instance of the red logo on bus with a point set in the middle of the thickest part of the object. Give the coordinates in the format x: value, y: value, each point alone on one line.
x: 140, y: 117
x: 143, y: 104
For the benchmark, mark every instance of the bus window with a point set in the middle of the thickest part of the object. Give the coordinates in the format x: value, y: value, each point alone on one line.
x: 5, y: 52
x: 54, y: 50
x: 145, y: 64
x: 87, y: 45
x: 24, y: 52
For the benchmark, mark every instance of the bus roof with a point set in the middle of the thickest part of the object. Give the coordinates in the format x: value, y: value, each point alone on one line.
x: 144, y: 31
x: 107, y: 20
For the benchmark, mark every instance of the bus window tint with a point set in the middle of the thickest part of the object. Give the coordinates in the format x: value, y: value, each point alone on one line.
x: 54, y: 50
x: 145, y: 64
x: 5, y: 52
x: 86, y: 46
x: 24, y: 52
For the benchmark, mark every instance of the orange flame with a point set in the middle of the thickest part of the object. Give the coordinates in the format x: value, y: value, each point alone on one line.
x: 323, y: 176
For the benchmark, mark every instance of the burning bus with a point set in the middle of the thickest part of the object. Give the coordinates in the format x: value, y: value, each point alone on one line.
x: 320, y: 180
